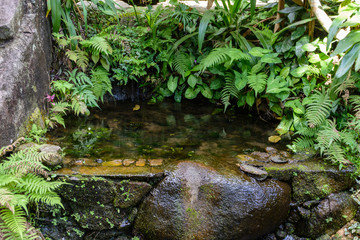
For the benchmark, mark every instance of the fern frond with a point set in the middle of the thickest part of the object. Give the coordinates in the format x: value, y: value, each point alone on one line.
x: 327, y: 136
x: 6, y: 197
x: 335, y: 153
x: 60, y: 107
x: 50, y: 198
x: 13, y: 221
x: 257, y: 82
x: 229, y: 90
x: 222, y: 55
x: 79, y: 78
x: 318, y: 109
x: 308, y: 132
x: 355, y: 101
x: 79, y: 107
x: 303, y: 143
x: 181, y: 63
x: 101, y: 82
x: 79, y: 57
x: 97, y: 45
x: 349, y: 137
x: 35, y: 184
x: 342, y: 86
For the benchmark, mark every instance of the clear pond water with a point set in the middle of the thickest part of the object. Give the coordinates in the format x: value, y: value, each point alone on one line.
x: 153, y: 137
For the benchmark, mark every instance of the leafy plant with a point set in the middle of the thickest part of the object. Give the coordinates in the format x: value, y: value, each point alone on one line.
x: 21, y: 185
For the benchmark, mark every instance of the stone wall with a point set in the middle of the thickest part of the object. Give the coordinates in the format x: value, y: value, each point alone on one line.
x: 25, y: 57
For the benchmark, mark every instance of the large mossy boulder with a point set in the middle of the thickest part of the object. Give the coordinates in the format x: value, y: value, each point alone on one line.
x: 198, y: 202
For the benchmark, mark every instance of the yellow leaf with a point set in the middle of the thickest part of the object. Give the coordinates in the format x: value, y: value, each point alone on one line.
x: 274, y: 139
x: 136, y: 108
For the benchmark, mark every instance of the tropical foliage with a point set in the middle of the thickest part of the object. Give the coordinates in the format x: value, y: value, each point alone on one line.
x: 22, y: 182
x: 269, y: 60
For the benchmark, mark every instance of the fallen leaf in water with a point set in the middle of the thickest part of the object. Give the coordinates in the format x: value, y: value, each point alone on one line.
x: 274, y: 139
x: 136, y: 108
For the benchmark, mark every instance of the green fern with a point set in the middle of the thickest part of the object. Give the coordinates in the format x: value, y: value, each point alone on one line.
x: 257, y: 82
x: 222, y: 55
x: 13, y: 225
x: 101, y: 82
x: 327, y: 136
x: 303, y: 143
x: 97, y: 45
x: 20, y: 186
x: 79, y: 57
x: 318, y: 109
x: 182, y: 63
x: 229, y: 90
x: 335, y: 153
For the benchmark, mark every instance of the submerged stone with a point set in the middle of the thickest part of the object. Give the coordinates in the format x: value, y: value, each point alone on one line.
x: 128, y: 162
x: 277, y: 159
x: 244, y: 158
x: 140, y: 162
x: 197, y: 202
x: 254, y: 171
x: 155, y: 162
x: 113, y: 163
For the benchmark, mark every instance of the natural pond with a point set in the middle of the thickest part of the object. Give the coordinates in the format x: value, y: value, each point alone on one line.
x: 132, y: 138
x: 189, y: 171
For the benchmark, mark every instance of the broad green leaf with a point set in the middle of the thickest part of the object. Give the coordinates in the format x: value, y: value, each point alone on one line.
x: 105, y: 64
x: 314, y: 58
x: 300, y: 71
x: 284, y: 126
x: 346, y: 43
x: 298, y: 46
x: 216, y: 84
x: 240, y: 80
x: 191, y: 93
x: 296, y: 106
x: 95, y: 58
x: 299, y: 32
x: 284, y: 46
x: 203, y: 26
x: 177, y: 96
x: 259, y: 52
x: 357, y: 63
x: 309, y: 47
x: 285, y: 72
x: 333, y: 30
x: 257, y: 68
x: 276, y: 108
x: 56, y: 12
x: 192, y: 80
x: 172, y: 83
x: 206, y: 91
x: 271, y: 58
x: 250, y: 98
x: 85, y: 14
x: 291, y: 9
x: 348, y: 61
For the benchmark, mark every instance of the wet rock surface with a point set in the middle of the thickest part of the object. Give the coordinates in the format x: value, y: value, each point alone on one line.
x: 25, y: 56
x: 327, y: 217
x: 196, y: 202
x: 96, y: 208
x: 312, y: 179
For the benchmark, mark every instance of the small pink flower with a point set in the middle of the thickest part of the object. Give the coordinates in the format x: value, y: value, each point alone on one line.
x: 50, y: 98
